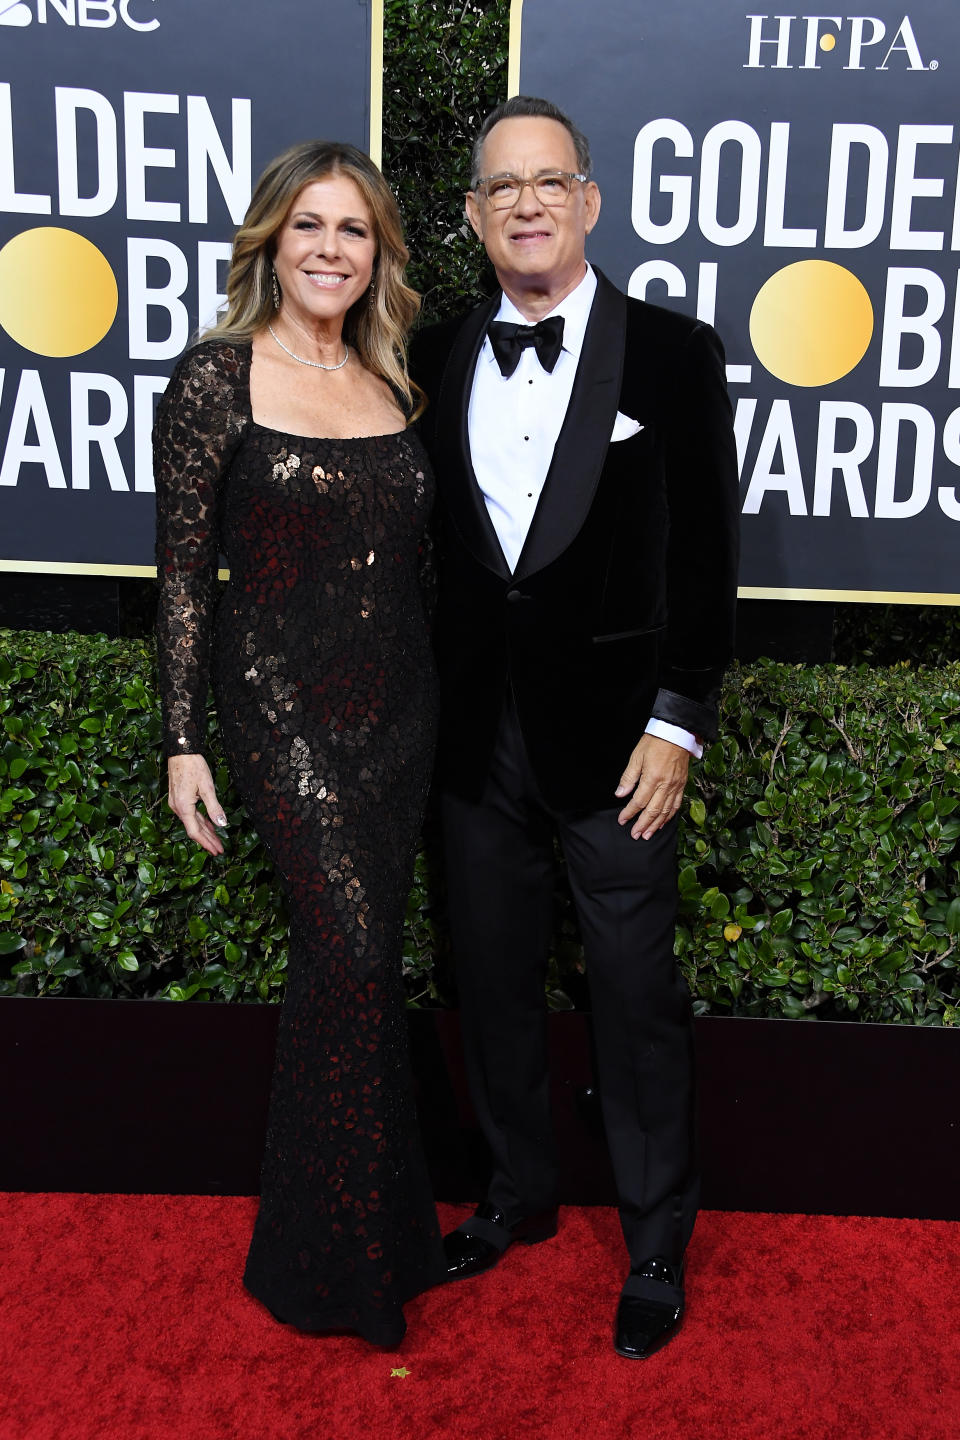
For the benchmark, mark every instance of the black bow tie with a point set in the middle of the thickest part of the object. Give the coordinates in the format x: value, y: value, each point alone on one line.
x: 509, y: 341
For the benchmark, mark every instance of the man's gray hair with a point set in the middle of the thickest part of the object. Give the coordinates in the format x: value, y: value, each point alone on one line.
x: 529, y: 106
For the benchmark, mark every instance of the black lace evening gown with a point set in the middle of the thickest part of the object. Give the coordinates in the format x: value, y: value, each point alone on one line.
x: 323, y: 681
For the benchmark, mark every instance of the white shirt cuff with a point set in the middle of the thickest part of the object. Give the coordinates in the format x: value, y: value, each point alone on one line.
x: 677, y: 736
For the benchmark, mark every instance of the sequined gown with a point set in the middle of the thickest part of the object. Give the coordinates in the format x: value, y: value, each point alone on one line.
x: 319, y: 658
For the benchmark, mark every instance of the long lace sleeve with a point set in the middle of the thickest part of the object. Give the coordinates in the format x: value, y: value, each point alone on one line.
x: 200, y: 422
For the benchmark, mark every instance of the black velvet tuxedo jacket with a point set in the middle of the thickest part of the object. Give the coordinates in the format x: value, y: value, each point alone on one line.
x: 622, y: 602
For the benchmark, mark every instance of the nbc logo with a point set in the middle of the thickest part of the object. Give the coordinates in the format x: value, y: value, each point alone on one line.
x: 86, y: 14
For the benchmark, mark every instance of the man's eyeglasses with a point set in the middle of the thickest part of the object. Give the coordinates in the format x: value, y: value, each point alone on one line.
x: 552, y: 187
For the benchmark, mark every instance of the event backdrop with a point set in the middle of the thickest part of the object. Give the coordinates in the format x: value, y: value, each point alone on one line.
x: 794, y: 180
x: 130, y: 133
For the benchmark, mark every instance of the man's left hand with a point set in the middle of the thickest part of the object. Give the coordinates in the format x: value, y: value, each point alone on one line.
x: 657, y: 774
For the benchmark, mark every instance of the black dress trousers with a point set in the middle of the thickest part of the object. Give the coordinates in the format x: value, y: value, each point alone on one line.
x: 500, y: 872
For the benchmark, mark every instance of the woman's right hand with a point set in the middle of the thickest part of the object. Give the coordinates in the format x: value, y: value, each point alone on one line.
x: 190, y: 780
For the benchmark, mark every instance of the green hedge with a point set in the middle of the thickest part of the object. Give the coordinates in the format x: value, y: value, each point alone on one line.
x: 445, y: 68
x: 819, y: 860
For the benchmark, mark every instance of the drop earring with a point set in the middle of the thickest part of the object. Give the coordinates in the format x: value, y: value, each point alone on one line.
x: 276, y: 289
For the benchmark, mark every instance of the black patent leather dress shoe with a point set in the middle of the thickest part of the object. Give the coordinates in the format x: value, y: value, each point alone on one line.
x: 650, y: 1310
x: 479, y: 1242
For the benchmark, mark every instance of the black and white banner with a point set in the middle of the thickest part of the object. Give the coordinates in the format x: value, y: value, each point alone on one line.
x: 792, y: 179
x: 130, y: 134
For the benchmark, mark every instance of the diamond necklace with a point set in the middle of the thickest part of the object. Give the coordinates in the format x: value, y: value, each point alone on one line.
x: 317, y: 364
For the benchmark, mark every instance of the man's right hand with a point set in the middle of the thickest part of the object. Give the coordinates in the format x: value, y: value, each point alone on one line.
x: 190, y: 780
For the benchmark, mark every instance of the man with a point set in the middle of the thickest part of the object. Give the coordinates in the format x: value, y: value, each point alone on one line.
x: 588, y: 500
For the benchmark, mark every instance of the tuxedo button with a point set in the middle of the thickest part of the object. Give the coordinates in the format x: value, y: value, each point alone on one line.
x: 514, y: 595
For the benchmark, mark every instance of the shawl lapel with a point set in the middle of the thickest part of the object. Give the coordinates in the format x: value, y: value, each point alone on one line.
x: 578, y: 456
x: 581, y: 447
x: 462, y: 495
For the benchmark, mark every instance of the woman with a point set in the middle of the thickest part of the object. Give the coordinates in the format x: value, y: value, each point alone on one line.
x: 282, y: 441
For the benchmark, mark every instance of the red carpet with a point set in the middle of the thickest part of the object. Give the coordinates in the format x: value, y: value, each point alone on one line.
x: 123, y: 1316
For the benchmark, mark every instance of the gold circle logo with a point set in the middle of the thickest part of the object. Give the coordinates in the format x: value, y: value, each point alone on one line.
x: 827, y: 42
x: 811, y: 323
x: 58, y: 294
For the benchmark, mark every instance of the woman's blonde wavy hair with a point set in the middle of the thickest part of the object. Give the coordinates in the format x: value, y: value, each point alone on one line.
x: 376, y: 325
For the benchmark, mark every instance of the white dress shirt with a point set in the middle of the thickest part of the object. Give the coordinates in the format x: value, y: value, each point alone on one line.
x: 513, y: 425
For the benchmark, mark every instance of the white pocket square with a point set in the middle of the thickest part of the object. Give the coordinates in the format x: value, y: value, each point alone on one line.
x: 624, y: 427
